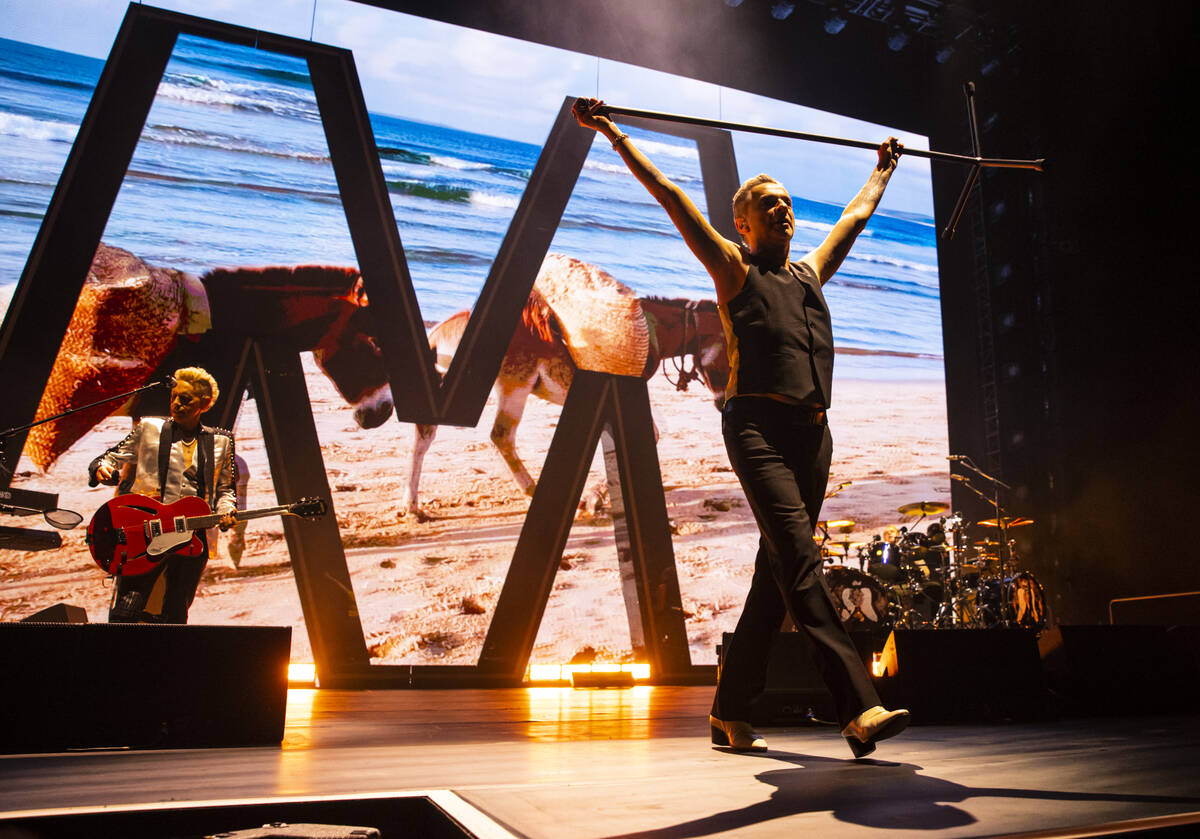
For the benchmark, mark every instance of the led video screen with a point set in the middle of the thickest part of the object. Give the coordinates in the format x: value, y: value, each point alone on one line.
x: 232, y: 173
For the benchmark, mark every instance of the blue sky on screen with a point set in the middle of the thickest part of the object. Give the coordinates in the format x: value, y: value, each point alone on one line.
x: 448, y: 75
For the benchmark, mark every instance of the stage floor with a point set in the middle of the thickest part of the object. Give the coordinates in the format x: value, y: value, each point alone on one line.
x: 557, y: 762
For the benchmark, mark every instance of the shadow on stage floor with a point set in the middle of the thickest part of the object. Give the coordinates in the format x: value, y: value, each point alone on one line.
x: 557, y: 762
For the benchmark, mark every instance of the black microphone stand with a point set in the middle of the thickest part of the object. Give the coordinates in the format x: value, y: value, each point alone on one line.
x: 1005, y: 551
x: 169, y: 381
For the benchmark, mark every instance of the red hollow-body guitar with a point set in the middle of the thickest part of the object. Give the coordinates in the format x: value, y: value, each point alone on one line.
x: 132, y: 534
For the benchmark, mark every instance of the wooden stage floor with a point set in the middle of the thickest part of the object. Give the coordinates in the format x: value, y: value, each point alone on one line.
x: 557, y: 762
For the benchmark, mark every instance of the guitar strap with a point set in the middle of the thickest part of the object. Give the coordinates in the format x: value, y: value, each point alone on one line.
x: 165, y: 438
x: 205, y: 453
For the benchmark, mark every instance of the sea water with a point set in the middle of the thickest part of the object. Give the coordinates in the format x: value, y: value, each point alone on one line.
x: 232, y: 169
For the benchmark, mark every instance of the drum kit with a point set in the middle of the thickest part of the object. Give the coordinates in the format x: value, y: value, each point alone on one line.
x: 953, y: 574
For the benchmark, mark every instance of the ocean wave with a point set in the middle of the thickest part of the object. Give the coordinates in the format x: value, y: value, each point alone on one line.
x: 202, y: 58
x: 404, y: 155
x: 444, y: 256
x: 315, y: 194
x: 657, y: 148
x: 455, y: 163
x: 29, y: 214
x: 461, y: 165
x: 851, y: 278
x: 182, y: 136
x: 492, y: 199
x: 203, y: 90
x: 813, y: 225
x: 607, y: 168
x: 31, y: 128
x: 907, y: 265
x: 620, y: 169
x: 608, y: 227
x: 39, y: 79
x: 436, y: 192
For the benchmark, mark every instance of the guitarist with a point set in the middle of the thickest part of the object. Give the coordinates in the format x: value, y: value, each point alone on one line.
x: 173, y: 458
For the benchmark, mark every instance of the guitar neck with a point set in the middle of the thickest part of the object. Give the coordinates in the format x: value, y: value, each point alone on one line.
x: 205, y: 522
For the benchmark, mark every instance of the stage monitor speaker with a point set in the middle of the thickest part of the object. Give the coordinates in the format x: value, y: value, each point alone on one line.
x: 141, y: 686
x: 964, y: 675
x: 58, y: 613
x: 1127, y: 669
x: 795, y: 693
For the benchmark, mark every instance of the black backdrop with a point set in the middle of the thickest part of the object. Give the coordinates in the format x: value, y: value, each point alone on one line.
x: 1069, y: 300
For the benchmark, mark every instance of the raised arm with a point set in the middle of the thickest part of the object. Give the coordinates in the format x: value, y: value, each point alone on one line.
x: 720, y: 257
x: 828, y: 256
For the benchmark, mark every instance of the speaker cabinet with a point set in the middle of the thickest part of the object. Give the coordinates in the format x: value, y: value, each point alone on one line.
x: 1127, y: 669
x: 964, y: 675
x: 141, y: 686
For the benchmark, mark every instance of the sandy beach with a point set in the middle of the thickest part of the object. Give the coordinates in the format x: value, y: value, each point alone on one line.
x: 426, y: 589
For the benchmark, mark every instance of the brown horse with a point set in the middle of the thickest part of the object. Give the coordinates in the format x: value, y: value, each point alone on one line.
x: 539, y: 363
x: 317, y: 308
x: 135, y: 323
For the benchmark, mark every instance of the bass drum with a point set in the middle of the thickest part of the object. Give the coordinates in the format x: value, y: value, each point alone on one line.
x: 1018, y: 601
x: 860, y: 600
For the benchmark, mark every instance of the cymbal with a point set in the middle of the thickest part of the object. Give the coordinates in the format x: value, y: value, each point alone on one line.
x: 836, y: 524
x: 1007, y: 522
x: 923, y: 508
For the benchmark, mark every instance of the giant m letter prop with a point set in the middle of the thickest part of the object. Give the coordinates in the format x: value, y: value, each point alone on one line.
x: 599, y: 406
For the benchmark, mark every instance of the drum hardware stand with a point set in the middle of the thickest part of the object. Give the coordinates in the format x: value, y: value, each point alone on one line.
x: 975, y: 160
x: 1004, y: 548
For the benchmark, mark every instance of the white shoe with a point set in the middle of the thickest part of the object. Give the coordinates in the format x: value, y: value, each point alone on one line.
x: 871, y: 726
x: 738, y: 736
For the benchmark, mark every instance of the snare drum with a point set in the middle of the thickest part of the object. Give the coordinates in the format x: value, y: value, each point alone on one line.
x: 860, y: 600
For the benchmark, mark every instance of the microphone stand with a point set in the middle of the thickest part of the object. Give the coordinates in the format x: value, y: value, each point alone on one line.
x: 1005, y: 552
x: 169, y: 381
x: 9, y: 432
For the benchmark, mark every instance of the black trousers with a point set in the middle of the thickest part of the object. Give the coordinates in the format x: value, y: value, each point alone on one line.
x: 782, y: 460
x: 182, y: 578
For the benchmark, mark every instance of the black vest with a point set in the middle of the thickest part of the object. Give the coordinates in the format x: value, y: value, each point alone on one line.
x: 779, y: 337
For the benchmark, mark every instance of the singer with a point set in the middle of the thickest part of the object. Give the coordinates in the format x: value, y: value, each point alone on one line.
x: 780, y: 346
x: 172, y: 458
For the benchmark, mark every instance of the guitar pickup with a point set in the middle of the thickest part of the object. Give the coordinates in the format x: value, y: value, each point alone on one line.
x: 153, y: 528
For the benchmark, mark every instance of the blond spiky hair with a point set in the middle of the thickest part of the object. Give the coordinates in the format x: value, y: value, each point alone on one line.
x: 200, y: 378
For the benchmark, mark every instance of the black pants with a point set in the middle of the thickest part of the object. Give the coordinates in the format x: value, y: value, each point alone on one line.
x: 182, y: 577
x: 782, y: 460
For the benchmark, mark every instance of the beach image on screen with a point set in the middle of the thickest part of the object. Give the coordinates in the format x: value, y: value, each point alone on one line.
x: 232, y: 172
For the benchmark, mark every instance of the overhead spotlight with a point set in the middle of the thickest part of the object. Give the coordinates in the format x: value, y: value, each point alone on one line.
x: 897, y: 39
x: 782, y: 11
x: 943, y: 55
x: 990, y: 67
x: 835, y: 23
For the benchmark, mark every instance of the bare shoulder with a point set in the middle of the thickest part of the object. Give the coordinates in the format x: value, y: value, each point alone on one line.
x: 813, y: 262
x: 732, y: 276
